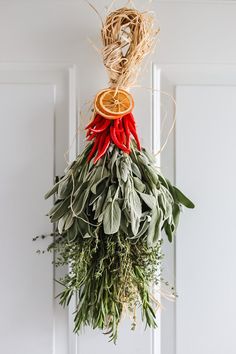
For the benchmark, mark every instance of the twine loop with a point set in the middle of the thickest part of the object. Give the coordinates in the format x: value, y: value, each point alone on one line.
x: 128, y: 36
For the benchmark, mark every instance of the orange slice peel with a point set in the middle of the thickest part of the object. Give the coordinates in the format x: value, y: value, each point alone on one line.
x: 113, y: 103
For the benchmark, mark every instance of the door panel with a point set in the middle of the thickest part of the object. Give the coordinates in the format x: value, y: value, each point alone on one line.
x: 37, y: 103
x: 205, y: 167
x: 27, y: 168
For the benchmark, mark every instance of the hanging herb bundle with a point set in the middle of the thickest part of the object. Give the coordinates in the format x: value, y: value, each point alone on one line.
x: 113, y: 203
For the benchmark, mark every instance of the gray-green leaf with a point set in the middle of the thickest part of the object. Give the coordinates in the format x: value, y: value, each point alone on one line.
x: 183, y: 199
x: 111, y: 218
x: 154, y: 230
x: 149, y: 200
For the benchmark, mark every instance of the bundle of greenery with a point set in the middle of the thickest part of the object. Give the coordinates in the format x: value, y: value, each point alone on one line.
x: 112, y: 204
x: 110, y: 216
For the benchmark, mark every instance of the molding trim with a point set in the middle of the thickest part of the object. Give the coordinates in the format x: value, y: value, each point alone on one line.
x: 198, y: 73
x: 155, y: 145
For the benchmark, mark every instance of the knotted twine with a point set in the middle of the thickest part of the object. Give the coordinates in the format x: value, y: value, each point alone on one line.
x: 128, y: 36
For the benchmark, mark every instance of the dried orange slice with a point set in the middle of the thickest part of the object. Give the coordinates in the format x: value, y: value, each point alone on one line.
x: 113, y: 104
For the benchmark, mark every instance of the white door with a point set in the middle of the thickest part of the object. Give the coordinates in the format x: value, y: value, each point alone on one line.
x: 27, y: 169
x: 34, y: 111
x: 195, y: 62
x: 206, y: 262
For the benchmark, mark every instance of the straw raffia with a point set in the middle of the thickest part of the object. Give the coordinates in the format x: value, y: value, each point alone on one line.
x: 128, y: 36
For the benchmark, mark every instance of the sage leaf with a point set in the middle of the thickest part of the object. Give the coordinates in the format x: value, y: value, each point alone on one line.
x: 154, y: 230
x: 64, y: 188
x: 100, y: 202
x: 149, y: 200
x: 52, y: 191
x: 135, y: 208
x: 80, y: 201
x: 138, y: 184
x: 111, y: 218
x: 176, y: 214
x: 183, y: 199
x: 124, y: 170
x: 62, y: 222
x: 136, y: 170
x: 69, y: 221
x: 168, y: 232
x: 100, y: 185
x: 60, y: 210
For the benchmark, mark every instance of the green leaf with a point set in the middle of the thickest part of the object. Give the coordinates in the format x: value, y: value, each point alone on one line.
x: 100, y: 203
x: 73, y: 231
x: 79, y: 202
x: 100, y: 185
x: 136, y: 170
x: 110, y: 196
x: 124, y: 170
x: 135, y: 208
x: 154, y: 230
x: 81, y: 188
x: 183, y: 199
x: 124, y: 224
x: 61, y: 209
x: 62, y: 222
x: 168, y: 231
x: 80, y: 198
x: 52, y: 191
x: 83, y: 225
x: 150, y: 157
x: 69, y: 221
x: 113, y: 159
x: 153, y: 175
x: 148, y: 199
x: 138, y: 184
x: 111, y: 218
x: 176, y: 213
x: 65, y: 187
x: 142, y: 230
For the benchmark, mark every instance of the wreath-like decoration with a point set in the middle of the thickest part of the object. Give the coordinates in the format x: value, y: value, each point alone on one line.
x: 113, y: 203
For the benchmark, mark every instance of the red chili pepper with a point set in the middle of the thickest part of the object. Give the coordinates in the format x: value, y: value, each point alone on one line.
x: 120, y: 126
x: 134, y: 133
x: 94, y: 148
x: 123, y: 139
x: 97, y: 119
x: 119, y: 138
x: 91, y: 136
x: 127, y: 131
x: 103, y: 136
x: 116, y: 123
x: 131, y: 117
x: 102, y: 127
x: 121, y: 131
x: 104, y: 148
x: 116, y: 141
x: 117, y: 131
